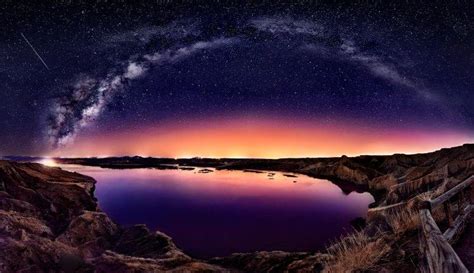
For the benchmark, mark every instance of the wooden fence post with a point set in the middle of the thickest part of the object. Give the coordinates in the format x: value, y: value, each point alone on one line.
x: 440, y: 255
x: 447, y: 211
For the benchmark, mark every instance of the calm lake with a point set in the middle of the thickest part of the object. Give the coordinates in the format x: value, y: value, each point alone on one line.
x: 221, y: 212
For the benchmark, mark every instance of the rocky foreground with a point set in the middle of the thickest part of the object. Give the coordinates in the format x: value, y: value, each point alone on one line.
x: 50, y: 221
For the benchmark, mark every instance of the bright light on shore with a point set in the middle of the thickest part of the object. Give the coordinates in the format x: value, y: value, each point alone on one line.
x: 48, y: 162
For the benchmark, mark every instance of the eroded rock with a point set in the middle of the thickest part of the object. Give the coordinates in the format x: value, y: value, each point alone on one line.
x: 50, y: 222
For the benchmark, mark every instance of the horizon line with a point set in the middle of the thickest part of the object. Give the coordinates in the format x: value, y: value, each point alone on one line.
x: 204, y: 157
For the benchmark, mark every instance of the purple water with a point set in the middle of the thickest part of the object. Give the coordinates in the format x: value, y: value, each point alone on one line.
x: 222, y: 212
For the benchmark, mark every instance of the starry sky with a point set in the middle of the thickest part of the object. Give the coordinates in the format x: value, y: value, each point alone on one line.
x: 227, y: 79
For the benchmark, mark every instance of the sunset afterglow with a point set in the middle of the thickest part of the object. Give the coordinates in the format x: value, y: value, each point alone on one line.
x: 262, y: 138
x: 236, y: 136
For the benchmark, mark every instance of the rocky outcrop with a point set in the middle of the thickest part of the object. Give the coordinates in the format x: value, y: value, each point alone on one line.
x: 119, y: 263
x: 391, y: 179
x: 50, y: 222
x: 273, y: 261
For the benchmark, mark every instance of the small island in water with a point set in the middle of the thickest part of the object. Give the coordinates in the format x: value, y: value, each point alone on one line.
x: 55, y: 214
x: 236, y: 136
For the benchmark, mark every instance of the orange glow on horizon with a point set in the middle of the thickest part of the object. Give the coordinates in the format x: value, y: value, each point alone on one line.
x: 240, y: 138
x: 48, y: 162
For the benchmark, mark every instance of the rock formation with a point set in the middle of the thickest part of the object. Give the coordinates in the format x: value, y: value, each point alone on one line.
x: 50, y: 221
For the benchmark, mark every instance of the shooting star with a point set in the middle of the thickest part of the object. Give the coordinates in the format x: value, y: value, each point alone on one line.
x: 34, y: 50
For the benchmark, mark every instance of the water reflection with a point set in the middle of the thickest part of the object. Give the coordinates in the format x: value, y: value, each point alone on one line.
x: 220, y: 212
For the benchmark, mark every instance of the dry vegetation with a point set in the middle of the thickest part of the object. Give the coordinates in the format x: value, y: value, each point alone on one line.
x: 359, y: 252
x: 403, y: 221
x: 356, y: 252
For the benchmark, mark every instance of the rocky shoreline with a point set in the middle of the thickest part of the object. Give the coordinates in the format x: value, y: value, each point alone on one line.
x: 50, y: 221
x: 383, y: 176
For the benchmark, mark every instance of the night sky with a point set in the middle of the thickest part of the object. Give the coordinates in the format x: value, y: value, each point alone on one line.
x: 226, y: 79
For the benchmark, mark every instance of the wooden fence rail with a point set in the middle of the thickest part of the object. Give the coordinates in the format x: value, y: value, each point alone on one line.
x: 440, y: 256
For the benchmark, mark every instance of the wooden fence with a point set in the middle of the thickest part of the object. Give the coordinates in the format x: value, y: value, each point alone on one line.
x: 440, y: 256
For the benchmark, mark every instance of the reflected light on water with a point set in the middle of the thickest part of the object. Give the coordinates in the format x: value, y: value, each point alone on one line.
x: 243, y: 211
